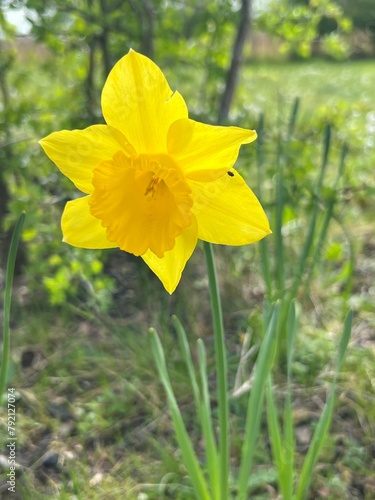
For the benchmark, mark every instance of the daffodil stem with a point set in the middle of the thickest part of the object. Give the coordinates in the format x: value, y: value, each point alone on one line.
x: 221, y: 369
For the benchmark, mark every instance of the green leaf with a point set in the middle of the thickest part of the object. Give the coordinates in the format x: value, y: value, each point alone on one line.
x: 7, y: 301
x: 188, y: 455
x: 324, y: 423
x: 255, y: 405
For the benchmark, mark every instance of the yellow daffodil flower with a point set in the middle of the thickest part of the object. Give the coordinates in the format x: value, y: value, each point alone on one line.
x: 155, y: 180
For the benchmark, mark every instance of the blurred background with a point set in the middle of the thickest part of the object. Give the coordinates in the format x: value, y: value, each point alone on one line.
x: 91, y: 416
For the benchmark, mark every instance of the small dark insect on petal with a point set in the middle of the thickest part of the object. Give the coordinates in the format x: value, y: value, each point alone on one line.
x: 231, y: 174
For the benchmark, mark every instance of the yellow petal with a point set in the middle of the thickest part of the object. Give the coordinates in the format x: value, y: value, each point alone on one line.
x: 228, y: 212
x: 143, y: 204
x: 81, y: 229
x: 205, y: 152
x: 77, y: 152
x: 138, y: 101
x: 170, y: 267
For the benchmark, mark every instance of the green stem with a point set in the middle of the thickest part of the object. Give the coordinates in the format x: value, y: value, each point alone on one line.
x: 221, y: 370
x: 7, y: 301
x: 264, y: 253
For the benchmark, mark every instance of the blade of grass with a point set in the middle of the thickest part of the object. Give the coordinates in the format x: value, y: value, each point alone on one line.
x: 189, y: 457
x: 202, y: 402
x: 292, y: 329
x: 328, y: 214
x: 279, y: 207
x: 282, y: 444
x: 289, y: 443
x: 211, y: 449
x: 301, y: 266
x: 325, y: 418
x: 185, y: 350
x: 264, y: 254
x: 281, y: 160
x: 292, y: 124
x: 255, y: 404
x: 275, y: 437
x: 11, y: 262
x: 351, y: 261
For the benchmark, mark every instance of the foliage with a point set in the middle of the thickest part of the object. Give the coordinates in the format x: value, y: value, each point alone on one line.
x: 298, y: 27
x: 217, y: 455
x: 361, y: 13
x: 283, y: 439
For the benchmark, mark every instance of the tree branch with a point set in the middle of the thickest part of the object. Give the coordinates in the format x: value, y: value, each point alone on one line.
x: 237, y: 52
